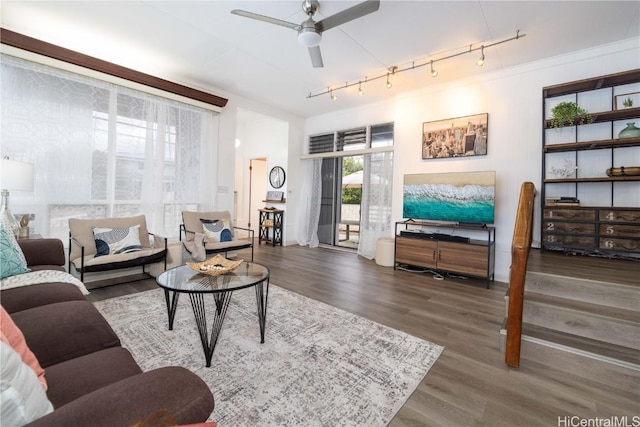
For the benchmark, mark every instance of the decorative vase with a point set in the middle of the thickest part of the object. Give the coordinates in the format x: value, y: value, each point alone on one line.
x: 631, y: 131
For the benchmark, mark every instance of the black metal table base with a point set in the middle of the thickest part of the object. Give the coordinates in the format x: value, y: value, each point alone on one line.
x: 222, y: 300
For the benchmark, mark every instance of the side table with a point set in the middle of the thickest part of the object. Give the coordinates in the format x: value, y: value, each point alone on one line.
x: 270, y: 219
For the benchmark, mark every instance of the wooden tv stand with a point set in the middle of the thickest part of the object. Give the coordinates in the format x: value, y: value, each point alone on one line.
x: 440, y: 247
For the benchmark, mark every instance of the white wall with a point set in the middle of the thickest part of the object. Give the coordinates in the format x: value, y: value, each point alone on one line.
x: 279, y: 138
x: 513, y: 100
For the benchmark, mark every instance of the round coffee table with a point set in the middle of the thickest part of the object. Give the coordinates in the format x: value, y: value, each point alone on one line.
x: 185, y: 280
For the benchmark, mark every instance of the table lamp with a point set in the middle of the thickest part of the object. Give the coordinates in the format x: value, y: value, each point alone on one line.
x: 16, y: 176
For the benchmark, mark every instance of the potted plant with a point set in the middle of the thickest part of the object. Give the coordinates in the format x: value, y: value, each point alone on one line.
x: 569, y: 114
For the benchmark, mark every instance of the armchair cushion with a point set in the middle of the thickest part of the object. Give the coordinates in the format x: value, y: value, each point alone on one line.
x: 81, y: 230
x: 216, y: 230
x: 117, y: 240
x: 193, y: 224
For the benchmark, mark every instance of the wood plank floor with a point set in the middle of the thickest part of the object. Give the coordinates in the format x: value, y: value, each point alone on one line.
x: 469, y: 385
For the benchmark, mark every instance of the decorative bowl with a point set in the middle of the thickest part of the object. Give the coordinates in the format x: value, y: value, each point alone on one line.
x: 215, y: 266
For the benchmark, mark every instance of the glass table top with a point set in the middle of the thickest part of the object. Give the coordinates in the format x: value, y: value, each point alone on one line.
x: 184, y: 279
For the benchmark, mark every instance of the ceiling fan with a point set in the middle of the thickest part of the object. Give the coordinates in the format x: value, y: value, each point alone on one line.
x: 310, y: 31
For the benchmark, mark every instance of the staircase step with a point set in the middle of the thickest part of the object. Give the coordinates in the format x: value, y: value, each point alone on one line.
x: 626, y: 296
x: 580, y: 345
x: 617, y: 326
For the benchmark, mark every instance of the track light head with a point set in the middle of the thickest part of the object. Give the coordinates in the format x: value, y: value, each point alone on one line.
x: 480, y: 61
x: 393, y: 70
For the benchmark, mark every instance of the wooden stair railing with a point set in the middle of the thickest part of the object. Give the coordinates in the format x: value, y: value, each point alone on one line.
x: 520, y: 246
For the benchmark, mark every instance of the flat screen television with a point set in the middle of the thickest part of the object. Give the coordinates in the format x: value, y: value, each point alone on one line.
x: 460, y: 197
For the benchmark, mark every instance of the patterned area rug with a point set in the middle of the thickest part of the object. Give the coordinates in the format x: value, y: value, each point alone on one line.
x: 319, y: 365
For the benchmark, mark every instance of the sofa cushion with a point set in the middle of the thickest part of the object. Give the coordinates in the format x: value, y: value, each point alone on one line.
x: 26, y: 297
x: 216, y: 230
x: 192, y: 223
x: 43, y: 253
x: 12, y: 260
x: 175, y: 389
x: 117, y: 240
x: 74, y: 378
x: 61, y: 331
x: 22, y: 399
x: 12, y: 335
x: 82, y: 231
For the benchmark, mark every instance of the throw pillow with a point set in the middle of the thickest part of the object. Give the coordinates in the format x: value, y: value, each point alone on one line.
x: 12, y: 260
x: 12, y: 335
x: 216, y: 230
x: 118, y: 240
x: 22, y: 398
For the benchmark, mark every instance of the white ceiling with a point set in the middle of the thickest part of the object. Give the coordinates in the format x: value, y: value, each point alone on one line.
x: 201, y: 44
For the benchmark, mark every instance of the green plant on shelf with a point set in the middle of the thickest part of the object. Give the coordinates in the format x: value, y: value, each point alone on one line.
x: 569, y: 114
x: 627, y: 102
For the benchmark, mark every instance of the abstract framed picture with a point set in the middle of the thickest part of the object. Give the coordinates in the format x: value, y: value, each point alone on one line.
x: 457, y: 137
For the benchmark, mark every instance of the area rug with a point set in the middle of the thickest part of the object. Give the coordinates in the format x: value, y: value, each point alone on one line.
x: 319, y: 365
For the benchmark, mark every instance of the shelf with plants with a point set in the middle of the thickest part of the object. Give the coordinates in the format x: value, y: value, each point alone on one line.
x: 593, y: 145
x: 591, y: 159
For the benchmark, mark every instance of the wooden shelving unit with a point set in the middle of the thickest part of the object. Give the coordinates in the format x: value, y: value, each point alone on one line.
x: 608, y: 223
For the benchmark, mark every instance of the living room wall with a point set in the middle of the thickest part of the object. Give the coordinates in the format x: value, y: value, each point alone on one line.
x: 513, y: 99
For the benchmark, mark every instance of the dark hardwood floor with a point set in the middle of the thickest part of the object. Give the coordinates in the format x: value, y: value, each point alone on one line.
x: 469, y: 385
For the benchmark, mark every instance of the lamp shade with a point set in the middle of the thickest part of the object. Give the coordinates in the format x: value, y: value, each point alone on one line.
x: 15, y: 175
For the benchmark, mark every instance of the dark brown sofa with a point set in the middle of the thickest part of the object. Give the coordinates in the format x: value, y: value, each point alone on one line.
x: 91, y: 379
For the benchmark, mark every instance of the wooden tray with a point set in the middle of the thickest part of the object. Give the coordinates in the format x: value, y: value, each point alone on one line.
x: 215, y: 266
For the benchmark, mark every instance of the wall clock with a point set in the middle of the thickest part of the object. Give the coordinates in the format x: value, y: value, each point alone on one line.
x: 277, y: 177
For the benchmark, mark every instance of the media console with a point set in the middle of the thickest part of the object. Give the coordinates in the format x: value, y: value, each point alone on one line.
x: 424, y: 244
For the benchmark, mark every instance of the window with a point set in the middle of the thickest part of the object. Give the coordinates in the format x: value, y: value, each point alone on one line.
x: 358, y: 139
x: 355, y: 182
x: 101, y: 150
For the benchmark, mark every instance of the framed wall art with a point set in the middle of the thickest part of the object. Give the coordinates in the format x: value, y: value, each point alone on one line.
x: 458, y: 137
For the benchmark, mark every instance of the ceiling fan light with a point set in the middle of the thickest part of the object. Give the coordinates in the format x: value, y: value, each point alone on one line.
x: 309, y: 37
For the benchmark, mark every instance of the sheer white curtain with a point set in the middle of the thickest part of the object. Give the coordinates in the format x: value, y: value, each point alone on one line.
x: 376, y: 201
x: 102, y: 150
x: 310, y: 203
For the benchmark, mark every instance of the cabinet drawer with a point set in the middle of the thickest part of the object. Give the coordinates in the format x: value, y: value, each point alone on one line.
x: 620, y: 215
x: 619, y: 230
x: 569, y: 227
x: 572, y: 214
x: 623, y: 245
x: 463, y: 258
x: 567, y: 240
x: 419, y: 252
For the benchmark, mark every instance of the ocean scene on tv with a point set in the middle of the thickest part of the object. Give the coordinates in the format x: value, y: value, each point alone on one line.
x: 452, y: 197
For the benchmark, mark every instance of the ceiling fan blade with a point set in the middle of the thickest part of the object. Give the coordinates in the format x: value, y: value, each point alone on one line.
x: 347, y: 15
x: 316, y: 57
x: 268, y: 19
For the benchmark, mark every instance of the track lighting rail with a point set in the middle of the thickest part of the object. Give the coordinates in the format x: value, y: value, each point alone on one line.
x: 396, y: 70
